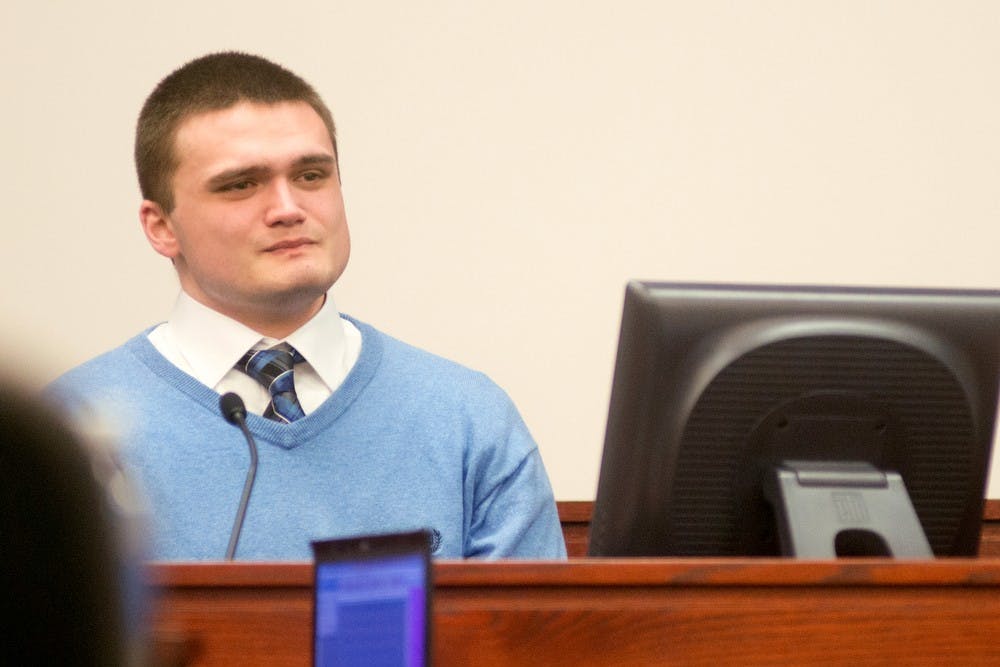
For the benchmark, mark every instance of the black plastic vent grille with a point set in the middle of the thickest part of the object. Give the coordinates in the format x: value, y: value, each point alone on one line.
x: 924, y: 396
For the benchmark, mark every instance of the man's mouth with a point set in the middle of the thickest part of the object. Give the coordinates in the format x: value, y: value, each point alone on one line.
x: 289, y: 244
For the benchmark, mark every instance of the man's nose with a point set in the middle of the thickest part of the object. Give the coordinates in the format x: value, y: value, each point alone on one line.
x: 283, y: 205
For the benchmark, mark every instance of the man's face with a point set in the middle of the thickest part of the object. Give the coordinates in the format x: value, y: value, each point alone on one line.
x: 258, y: 230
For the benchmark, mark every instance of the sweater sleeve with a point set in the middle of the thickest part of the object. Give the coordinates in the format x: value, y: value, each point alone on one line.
x: 514, y: 513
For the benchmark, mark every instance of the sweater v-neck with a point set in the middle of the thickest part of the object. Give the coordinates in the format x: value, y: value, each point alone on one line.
x: 287, y: 436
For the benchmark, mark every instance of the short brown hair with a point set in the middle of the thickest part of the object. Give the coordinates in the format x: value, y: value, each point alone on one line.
x: 210, y: 83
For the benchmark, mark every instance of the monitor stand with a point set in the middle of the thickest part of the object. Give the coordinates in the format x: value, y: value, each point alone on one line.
x: 830, y: 509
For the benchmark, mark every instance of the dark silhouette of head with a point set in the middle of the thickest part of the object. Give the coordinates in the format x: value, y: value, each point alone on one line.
x: 60, y: 564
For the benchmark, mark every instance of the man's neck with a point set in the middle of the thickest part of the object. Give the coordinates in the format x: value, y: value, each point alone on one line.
x: 276, y: 321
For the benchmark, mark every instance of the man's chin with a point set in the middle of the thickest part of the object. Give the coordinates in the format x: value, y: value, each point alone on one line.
x: 296, y: 297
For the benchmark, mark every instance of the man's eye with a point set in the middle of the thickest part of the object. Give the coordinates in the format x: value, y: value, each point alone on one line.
x: 239, y: 185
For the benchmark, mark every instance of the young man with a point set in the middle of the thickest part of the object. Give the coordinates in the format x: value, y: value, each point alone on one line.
x: 237, y: 163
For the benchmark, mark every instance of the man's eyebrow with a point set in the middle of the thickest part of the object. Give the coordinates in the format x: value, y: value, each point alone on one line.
x: 237, y: 174
x: 315, y: 159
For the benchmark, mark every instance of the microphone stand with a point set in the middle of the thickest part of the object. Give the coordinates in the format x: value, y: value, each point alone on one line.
x: 234, y: 411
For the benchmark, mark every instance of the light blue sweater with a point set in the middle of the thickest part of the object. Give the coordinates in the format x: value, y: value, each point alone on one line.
x: 408, y: 441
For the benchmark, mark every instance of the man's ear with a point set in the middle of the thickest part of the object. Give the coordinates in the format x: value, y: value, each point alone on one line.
x: 159, y: 229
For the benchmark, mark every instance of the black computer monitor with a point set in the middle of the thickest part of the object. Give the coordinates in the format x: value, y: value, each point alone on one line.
x: 801, y: 421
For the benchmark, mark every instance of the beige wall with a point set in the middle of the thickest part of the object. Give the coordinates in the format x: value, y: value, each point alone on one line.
x: 509, y: 165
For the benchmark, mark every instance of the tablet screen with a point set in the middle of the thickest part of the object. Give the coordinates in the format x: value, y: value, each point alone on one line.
x: 371, y: 598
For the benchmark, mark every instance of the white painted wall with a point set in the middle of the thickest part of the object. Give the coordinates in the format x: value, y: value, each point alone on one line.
x: 509, y: 165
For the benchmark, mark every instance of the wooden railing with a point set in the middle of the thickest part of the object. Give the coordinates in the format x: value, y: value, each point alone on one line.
x: 613, y: 612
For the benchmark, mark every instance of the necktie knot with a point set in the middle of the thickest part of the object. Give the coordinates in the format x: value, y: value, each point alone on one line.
x: 273, y: 368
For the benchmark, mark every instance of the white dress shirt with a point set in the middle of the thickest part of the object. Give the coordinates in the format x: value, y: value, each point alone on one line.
x: 206, y: 345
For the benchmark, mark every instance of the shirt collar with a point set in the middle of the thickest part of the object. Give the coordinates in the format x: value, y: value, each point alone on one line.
x: 323, y: 343
x: 212, y: 343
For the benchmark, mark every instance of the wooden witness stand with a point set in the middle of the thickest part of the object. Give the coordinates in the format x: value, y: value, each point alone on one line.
x: 617, y: 612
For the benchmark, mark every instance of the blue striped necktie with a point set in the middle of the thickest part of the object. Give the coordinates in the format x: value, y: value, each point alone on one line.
x: 273, y: 369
